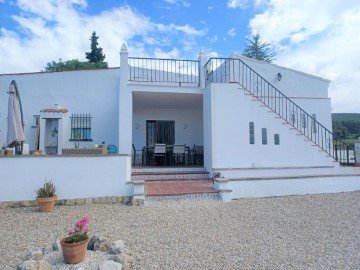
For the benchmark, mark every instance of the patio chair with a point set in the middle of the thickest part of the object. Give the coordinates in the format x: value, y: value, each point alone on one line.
x: 197, y: 155
x: 159, y: 153
x: 178, y: 154
x: 136, y: 156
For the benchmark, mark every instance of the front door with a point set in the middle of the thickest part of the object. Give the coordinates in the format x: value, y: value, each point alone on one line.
x: 160, y: 131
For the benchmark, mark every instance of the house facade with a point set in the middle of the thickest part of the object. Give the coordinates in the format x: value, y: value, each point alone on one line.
x: 265, y: 128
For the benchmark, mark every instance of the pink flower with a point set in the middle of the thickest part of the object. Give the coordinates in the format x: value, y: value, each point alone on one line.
x: 86, y: 219
x: 86, y: 230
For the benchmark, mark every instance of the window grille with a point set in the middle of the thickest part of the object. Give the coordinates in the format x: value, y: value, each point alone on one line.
x: 252, y: 133
x: 264, y: 135
x: 276, y: 139
x: 80, y: 127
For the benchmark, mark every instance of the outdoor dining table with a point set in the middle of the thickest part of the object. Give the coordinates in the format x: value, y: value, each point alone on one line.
x: 147, y: 151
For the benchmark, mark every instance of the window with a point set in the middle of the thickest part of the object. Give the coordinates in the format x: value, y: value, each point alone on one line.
x: 264, y: 136
x: 36, y: 120
x: 80, y: 127
x: 252, y: 134
x: 292, y: 118
x: 313, y: 123
x: 303, y: 120
x: 160, y: 132
x: 276, y: 139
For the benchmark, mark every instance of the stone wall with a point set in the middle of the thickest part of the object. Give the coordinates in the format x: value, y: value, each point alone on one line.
x: 126, y: 200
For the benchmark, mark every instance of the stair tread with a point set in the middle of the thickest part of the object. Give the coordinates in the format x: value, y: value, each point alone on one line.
x: 178, y: 188
x: 169, y: 173
x: 177, y: 179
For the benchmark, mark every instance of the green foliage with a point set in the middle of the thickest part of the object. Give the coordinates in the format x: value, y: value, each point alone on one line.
x: 346, y: 126
x: 95, y: 55
x: 48, y: 190
x: 345, y: 116
x: 79, y: 233
x: 73, y: 65
x: 339, y: 130
x: 257, y: 50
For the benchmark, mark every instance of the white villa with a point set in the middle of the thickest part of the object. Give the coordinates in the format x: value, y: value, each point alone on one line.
x: 265, y: 128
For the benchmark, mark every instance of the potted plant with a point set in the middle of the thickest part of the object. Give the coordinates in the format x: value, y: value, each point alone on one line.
x: 46, y: 196
x: 74, y: 246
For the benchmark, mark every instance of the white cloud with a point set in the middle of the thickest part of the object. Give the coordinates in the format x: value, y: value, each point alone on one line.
x: 213, y: 54
x: 321, y: 41
x: 213, y: 39
x: 173, y: 54
x: 183, y: 2
x: 237, y: 4
x: 187, y: 29
x: 55, y: 29
x: 231, y: 32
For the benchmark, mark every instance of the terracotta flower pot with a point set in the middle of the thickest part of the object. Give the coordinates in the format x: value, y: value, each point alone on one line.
x: 46, y: 204
x: 74, y: 253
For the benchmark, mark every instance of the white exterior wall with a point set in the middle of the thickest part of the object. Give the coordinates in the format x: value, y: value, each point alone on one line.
x: 188, y: 125
x: 285, y: 187
x: 74, y: 177
x: 307, y: 91
x: 208, y: 128
x: 87, y: 91
x: 231, y: 112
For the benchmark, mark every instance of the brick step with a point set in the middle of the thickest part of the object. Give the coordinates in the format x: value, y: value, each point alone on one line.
x: 178, y: 188
x: 169, y: 173
x: 179, y: 180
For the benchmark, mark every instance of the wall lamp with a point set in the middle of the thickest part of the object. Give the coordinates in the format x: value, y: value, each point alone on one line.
x: 279, y: 76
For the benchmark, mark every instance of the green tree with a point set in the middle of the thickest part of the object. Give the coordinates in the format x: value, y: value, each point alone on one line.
x: 339, y: 130
x: 257, y: 50
x: 72, y: 65
x: 96, y: 55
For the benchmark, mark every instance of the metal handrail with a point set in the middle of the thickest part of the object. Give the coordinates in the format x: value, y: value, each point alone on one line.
x: 233, y: 70
x: 163, y: 70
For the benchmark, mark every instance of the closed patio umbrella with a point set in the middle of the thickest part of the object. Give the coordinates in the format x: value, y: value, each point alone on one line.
x: 15, y: 132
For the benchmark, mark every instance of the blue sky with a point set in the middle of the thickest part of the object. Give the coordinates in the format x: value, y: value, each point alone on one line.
x: 321, y: 40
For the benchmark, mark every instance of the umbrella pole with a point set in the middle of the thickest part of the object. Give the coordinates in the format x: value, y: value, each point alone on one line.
x: 21, y: 113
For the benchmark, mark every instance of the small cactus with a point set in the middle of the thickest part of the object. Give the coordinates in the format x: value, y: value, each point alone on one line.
x: 48, y: 190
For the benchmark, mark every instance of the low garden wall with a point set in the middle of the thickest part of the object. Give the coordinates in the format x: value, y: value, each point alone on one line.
x: 74, y: 176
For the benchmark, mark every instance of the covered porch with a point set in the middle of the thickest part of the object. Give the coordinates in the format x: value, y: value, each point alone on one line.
x: 167, y: 129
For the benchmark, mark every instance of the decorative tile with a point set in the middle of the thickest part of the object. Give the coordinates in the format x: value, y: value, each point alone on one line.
x: 215, y: 196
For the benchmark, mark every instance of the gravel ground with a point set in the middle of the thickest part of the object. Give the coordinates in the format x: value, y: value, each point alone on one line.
x: 294, y: 232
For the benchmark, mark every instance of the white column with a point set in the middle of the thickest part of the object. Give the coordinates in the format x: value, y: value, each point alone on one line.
x: 125, y: 105
x: 202, y: 62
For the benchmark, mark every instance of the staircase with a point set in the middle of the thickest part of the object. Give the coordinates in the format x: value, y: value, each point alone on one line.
x: 233, y: 70
x: 171, y: 183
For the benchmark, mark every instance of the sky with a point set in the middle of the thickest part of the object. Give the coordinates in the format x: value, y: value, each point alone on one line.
x: 317, y: 37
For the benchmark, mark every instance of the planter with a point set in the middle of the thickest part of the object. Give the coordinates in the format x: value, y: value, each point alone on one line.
x: 74, y: 253
x: 46, y: 204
